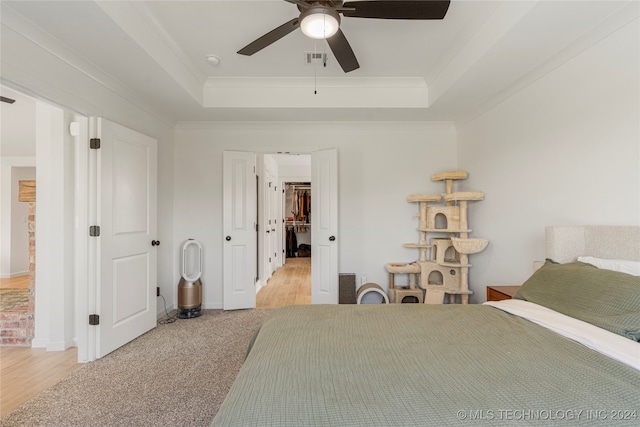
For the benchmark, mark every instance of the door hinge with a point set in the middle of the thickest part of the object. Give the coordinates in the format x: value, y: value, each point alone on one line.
x: 94, y: 231
x: 94, y: 143
x: 94, y: 319
x: 269, y: 259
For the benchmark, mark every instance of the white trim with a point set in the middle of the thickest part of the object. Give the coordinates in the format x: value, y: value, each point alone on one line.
x: 12, y: 275
x: 39, y: 343
x: 81, y: 256
x: 59, y: 345
x: 92, y: 303
x: 312, y: 126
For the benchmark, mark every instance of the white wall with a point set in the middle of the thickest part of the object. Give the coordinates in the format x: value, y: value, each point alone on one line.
x: 7, y: 165
x: 17, y: 150
x: 379, y: 164
x: 563, y: 151
x: 19, y: 218
x: 52, y: 196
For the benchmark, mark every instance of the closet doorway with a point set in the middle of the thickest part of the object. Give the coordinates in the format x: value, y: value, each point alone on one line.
x: 291, y: 281
x: 297, y: 228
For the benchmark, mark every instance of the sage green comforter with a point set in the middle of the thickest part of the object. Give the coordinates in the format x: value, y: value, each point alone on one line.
x: 417, y: 365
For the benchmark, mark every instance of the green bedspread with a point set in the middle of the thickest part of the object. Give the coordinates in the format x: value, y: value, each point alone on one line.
x: 411, y: 364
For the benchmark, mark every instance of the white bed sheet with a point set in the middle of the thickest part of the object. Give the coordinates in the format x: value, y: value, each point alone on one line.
x: 614, y: 346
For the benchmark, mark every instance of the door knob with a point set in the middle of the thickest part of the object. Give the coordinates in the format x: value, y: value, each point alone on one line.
x: 155, y: 243
x: 332, y: 238
x: 267, y: 231
x: 227, y: 238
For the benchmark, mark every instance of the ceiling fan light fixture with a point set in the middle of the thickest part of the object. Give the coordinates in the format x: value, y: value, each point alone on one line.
x: 319, y: 22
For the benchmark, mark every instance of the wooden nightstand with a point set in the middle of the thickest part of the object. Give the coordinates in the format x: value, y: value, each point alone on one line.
x: 498, y: 293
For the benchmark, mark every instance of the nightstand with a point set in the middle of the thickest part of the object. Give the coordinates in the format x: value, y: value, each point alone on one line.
x: 498, y: 293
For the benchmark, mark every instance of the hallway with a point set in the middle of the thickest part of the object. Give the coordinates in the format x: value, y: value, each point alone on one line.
x: 290, y: 284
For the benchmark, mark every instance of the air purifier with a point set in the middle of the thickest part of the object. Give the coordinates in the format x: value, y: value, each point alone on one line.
x: 190, y: 286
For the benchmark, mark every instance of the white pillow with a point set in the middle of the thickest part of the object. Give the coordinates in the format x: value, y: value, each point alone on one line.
x: 621, y: 265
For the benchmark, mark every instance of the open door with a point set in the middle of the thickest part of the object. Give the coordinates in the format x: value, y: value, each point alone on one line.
x: 126, y: 167
x: 239, y: 230
x: 324, y: 227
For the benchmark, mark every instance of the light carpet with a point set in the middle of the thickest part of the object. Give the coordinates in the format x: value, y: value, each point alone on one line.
x: 177, y: 374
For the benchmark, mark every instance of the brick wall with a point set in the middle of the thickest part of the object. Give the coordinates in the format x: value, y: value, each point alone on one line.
x: 17, y: 325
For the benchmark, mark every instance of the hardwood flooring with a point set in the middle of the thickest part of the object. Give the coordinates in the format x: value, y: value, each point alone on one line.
x: 289, y: 285
x: 26, y: 372
x: 15, y: 282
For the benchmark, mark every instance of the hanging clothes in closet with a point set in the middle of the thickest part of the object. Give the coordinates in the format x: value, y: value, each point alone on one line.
x: 301, y: 208
x: 292, y: 242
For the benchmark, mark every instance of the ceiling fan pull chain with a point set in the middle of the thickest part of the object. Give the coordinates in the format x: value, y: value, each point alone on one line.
x: 315, y: 69
x: 324, y: 53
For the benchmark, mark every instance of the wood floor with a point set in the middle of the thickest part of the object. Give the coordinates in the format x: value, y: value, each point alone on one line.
x: 26, y: 372
x: 15, y: 282
x: 289, y: 285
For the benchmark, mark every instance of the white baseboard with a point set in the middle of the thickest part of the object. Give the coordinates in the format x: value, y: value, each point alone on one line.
x: 38, y: 343
x: 212, y: 306
x: 162, y: 314
x: 59, y: 345
x: 54, y: 345
x: 13, y: 275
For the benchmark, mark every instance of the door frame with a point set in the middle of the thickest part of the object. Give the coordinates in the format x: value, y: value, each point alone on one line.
x: 260, y: 152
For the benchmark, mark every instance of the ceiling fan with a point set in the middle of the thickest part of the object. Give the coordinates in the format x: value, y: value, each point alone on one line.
x: 321, y: 20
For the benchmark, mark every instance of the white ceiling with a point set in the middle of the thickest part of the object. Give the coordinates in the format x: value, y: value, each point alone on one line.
x: 445, y: 70
x: 18, y: 125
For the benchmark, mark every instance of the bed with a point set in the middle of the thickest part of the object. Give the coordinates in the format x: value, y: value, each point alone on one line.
x: 564, y: 351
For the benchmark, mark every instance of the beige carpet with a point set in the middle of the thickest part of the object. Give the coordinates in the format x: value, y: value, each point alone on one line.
x: 175, y: 375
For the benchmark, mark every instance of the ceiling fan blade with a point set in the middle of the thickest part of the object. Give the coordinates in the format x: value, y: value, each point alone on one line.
x: 411, y: 9
x: 300, y: 3
x: 271, y: 37
x: 342, y: 51
x: 7, y: 100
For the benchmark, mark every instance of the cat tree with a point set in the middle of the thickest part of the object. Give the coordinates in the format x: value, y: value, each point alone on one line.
x: 443, y: 265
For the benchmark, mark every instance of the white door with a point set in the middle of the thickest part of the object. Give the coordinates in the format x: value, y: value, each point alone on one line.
x: 273, y: 235
x: 239, y: 222
x: 324, y: 227
x: 268, y: 227
x: 127, y: 215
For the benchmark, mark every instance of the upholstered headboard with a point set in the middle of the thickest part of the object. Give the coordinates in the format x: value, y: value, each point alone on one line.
x: 565, y: 244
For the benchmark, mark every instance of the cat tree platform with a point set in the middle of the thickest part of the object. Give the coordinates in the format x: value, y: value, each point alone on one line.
x: 469, y: 246
x: 397, y: 295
